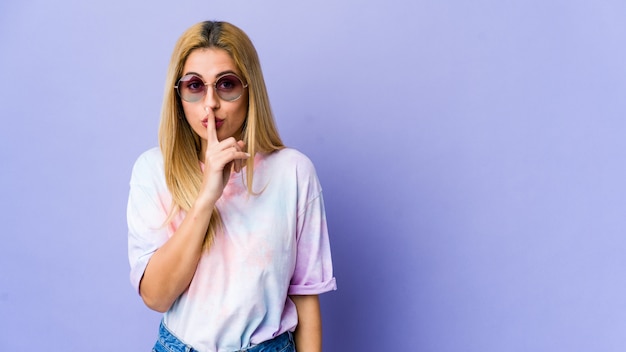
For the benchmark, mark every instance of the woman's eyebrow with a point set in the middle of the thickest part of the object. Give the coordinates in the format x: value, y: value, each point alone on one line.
x: 192, y: 73
x: 225, y: 73
x: 216, y: 75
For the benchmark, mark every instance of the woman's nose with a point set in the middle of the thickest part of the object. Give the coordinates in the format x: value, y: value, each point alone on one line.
x: 211, y: 99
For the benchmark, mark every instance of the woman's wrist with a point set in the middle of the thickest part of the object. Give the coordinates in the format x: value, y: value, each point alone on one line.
x: 204, y: 204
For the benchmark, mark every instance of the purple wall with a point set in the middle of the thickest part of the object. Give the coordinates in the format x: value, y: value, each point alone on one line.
x: 472, y: 154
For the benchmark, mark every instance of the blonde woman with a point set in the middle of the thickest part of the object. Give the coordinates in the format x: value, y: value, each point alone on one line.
x: 227, y: 230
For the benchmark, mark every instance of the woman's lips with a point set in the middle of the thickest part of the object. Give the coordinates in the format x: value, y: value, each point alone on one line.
x: 218, y: 123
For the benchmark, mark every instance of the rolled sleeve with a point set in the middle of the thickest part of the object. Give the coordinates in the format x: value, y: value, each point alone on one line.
x: 146, y: 214
x: 313, y: 273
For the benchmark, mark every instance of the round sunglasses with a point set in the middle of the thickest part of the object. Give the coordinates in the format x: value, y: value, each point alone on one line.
x: 191, y: 88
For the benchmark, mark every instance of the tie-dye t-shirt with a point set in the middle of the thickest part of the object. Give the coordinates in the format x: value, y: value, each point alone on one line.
x: 273, y: 245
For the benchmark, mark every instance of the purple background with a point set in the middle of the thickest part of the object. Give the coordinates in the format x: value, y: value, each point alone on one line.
x: 472, y: 156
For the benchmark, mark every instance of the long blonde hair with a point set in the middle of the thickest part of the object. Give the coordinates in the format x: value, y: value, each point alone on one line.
x: 180, y: 145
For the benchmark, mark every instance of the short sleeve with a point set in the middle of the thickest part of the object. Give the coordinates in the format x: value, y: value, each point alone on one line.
x: 146, y: 214
x: 313, y: 273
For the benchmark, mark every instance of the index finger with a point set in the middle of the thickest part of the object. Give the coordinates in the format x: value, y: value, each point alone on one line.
x: 210, y: 127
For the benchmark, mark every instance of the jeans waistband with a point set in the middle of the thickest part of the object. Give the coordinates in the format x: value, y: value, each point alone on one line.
x: 278, y: 343
x: 173, y: 343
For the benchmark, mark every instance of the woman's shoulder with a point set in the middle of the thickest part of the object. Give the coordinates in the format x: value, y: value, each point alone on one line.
x: 291, y: 154
x: 150, y: 157
x: 148, y: 164
x: 291, y: 161
x: 291, y: 157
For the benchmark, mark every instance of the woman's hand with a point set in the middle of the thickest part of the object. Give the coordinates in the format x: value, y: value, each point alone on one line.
x: 221, y: 157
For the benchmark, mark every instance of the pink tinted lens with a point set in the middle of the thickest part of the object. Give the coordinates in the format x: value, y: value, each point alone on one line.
x: 229, y: 87
x: 191, y: 88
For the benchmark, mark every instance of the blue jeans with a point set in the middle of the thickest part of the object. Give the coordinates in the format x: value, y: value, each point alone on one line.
x: 167, y: 342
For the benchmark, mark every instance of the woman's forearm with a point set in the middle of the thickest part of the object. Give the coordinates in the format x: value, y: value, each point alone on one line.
x: 308, y: 333
x: 172, y: 266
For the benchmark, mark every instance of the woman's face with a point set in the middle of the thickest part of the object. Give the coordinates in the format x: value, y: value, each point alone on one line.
x: 210, y: 64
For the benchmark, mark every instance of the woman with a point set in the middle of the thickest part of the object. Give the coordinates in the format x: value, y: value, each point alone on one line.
x: 227, y: 230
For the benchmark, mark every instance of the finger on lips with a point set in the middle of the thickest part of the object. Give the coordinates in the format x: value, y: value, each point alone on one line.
x: 210, y: 127
x: 237, y: 153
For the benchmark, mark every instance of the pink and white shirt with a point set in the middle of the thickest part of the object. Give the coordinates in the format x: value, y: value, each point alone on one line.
x: 273, y: 245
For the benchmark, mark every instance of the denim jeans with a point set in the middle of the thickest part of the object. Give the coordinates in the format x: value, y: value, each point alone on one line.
x: 167, y: 342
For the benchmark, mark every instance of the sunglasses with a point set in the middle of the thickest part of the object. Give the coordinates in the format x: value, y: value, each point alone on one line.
x: 191, y: 88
